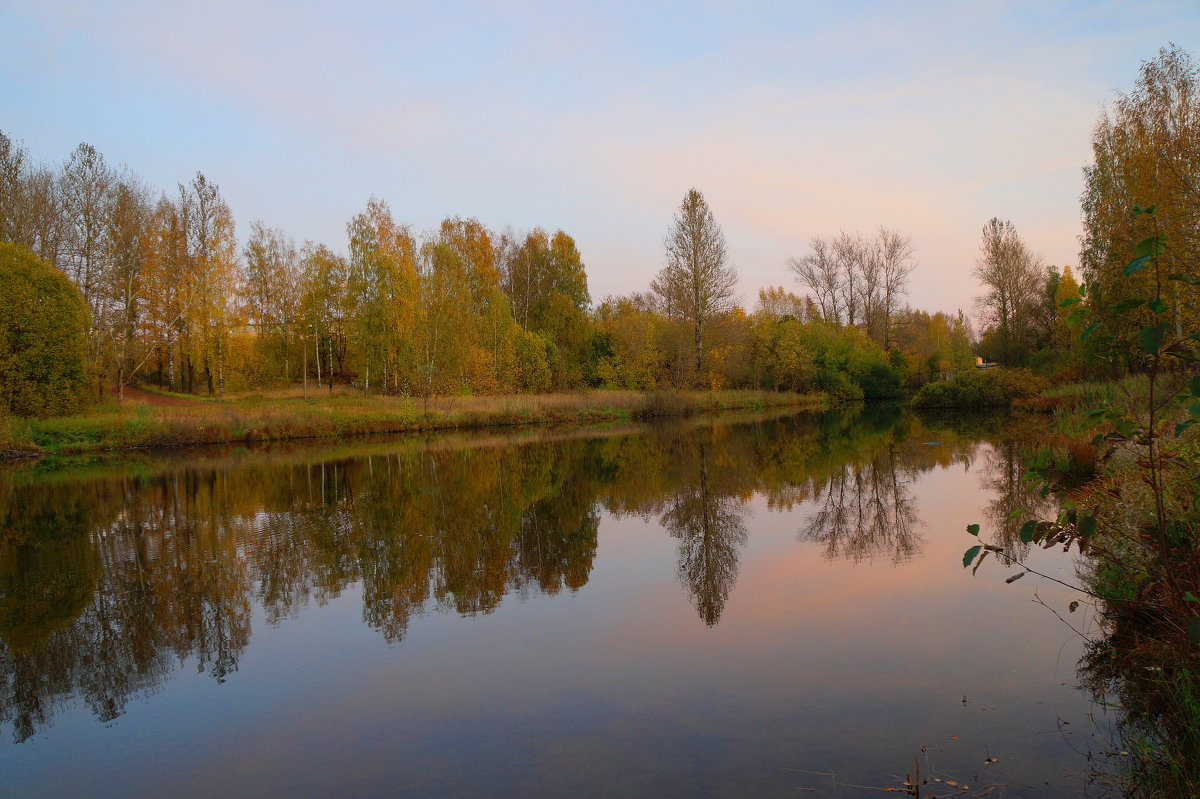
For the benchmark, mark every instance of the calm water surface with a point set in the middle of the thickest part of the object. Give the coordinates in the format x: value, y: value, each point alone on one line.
x: 699, y: 608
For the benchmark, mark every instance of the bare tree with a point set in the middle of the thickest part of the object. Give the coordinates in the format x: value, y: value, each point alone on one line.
x: 847, y: 254
x: 818, y: 271
x: 86, y: 185
x: 869, y: 267
x: 896, y: 263
x: 696, y: 285
x: 857, y: 279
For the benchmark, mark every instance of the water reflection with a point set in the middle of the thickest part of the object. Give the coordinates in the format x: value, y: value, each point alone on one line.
x: 108, y: 582
x: 708, y: 523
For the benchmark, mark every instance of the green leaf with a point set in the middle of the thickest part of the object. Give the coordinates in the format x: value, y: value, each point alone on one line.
x: 1179, y: 428
x: 1087, y: 526
x: 1157, y: 305
x: 1088, y: 331
x: 1069, y: 301
x: 1137, y: 210
x: 1194, y: 409
x: 1076, y: 316
x: 1136, y: 265
x: 1181, y: 277
x: 1125, y: 306
x: 973, y: 529
x: 1194, y: 386
x: 1190, y: 597
x: 1027, y: 531
x: 970, y: 554
x: 1083, y: 289
x: 1150, y: 339
x: 1151, y: 247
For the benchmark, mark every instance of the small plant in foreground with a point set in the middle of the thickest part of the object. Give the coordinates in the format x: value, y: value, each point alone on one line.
x: 1138, y: 524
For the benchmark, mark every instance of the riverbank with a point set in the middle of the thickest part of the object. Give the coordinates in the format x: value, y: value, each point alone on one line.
x: 148, y: 419
x: 1122, y: 457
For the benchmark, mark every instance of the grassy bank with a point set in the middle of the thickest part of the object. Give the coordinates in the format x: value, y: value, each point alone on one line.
x: 162, y: 420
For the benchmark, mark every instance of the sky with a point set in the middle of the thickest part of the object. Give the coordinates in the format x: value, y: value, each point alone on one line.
x: 795, y: 119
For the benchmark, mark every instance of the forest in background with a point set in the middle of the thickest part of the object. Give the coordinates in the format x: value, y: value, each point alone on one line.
x: 175, y: 300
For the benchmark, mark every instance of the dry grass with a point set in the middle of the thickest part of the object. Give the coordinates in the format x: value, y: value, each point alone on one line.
x: 285, y: 414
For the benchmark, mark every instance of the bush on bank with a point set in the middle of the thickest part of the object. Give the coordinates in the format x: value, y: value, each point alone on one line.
x: 43, y: 330
x: 981, y: 388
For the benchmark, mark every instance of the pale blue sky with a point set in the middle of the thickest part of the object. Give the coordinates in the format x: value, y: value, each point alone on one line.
x: 794, y: 119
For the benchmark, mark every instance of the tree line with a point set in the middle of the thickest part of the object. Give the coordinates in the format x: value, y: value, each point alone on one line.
x: 174, y: 299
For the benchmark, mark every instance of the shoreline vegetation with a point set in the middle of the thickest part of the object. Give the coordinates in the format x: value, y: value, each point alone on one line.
x: 154, y: 419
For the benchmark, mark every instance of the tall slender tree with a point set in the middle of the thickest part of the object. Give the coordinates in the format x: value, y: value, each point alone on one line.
x: 697, y: 284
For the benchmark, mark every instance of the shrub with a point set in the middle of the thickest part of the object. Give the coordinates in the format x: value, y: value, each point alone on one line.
x: 980, y: 389
x: 43, y: 329
x: 838, y: 386
x: 879, y: 381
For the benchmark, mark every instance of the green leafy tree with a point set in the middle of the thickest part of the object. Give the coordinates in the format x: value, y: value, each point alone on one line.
x: 43, y: 336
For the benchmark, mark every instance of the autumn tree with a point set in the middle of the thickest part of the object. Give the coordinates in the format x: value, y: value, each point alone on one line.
x: 164, y: 321
x: 546, y: 283
x: 1146, y: 150
x: 444, y: 322
x: 127, y: 248
x: 697, y: 284
x: 1012, y: 277
x: 1064, y: 287
x: 632, y: 335
x: 271, y: 293
x: 383, y: 283
x: 325, y: 309
x: 778, y: 303
x: 211, y: 258
x: 933, y: 342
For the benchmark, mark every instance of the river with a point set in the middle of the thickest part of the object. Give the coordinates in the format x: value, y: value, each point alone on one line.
x: 756, y: 605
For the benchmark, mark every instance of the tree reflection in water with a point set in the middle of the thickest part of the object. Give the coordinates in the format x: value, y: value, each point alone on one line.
x: 110, y: 581
x: 709, y: 525
x: 866, y: 510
